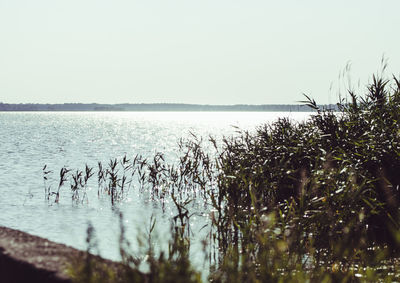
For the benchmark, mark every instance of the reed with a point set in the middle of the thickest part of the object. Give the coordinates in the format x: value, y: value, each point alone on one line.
x: 314, y: 201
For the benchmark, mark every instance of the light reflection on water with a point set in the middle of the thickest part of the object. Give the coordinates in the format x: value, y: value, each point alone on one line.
x: 31, y: 139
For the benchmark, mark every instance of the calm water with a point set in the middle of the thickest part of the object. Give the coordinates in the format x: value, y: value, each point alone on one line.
x: 29, y: 140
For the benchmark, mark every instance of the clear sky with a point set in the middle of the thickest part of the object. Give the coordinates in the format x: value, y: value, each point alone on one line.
x: 191, y: 51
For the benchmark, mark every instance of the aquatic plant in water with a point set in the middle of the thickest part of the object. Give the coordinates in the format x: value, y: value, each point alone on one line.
x: 312, y: 201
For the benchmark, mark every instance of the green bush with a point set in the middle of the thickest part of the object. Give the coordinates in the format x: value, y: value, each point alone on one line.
x: 335, y: 170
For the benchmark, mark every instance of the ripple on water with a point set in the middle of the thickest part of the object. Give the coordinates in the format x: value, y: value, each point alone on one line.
x: 29, y: 140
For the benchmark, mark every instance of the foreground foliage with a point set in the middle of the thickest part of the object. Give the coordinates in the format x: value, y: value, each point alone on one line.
x: 315, y: 201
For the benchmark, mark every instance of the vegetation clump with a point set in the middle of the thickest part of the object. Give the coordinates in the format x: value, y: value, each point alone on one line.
x: 315, y: 201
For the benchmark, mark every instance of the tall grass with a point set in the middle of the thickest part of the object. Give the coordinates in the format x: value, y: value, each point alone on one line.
x: 314, y: 201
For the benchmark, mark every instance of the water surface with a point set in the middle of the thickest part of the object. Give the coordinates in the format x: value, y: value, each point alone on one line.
x: 29, y: 140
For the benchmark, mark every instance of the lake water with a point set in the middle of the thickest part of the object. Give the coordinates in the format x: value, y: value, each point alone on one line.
x: 29, y: 140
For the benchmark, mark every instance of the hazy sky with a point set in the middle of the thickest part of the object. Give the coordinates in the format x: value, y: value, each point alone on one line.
x: 191, y: 51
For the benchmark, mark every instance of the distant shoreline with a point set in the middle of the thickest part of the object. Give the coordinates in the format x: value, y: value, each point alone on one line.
x: 158, y: 107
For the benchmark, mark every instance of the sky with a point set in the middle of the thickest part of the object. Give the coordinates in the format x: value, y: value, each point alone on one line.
x: 193, y: 51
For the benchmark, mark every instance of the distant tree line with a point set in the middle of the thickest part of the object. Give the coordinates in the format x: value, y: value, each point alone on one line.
x: 156, y: 107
